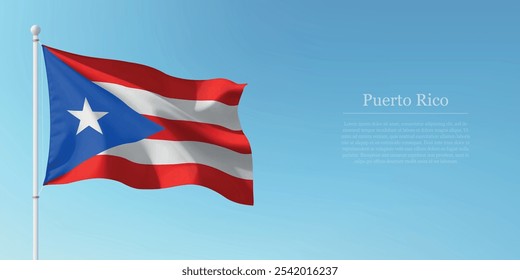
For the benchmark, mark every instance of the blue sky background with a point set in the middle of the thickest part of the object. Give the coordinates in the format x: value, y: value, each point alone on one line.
x: 306, y: 62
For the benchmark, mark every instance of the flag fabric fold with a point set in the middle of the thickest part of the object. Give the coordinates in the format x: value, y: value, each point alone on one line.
x: 137, y: 125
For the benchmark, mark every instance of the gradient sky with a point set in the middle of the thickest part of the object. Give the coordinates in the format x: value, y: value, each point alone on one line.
x: 305, y: 62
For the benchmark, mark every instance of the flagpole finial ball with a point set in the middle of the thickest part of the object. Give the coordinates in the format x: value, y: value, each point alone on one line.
x: 35, y: 30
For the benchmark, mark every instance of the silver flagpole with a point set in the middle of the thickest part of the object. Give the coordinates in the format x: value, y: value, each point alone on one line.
x: 35, y: 30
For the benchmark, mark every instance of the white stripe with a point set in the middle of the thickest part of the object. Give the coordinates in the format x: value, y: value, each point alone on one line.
x: 148, y: 151
x: 149, y: 103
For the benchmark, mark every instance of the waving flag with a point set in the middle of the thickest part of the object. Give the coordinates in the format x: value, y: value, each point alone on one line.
x: 136, y: 125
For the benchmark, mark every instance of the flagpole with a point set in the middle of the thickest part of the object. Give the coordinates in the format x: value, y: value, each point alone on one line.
x: 35, y: 30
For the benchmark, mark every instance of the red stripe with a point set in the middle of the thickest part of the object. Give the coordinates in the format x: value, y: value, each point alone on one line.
x: 202, y: 132
x: 144, y: 77
x: 142, y: 176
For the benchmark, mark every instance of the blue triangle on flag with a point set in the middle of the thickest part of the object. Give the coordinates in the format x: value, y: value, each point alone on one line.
x: 69, y: 147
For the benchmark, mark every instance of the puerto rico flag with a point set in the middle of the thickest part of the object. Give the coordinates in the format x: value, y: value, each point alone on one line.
x: 136, y: 125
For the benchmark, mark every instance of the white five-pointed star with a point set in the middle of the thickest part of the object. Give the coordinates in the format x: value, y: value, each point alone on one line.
x: 88, y: 118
